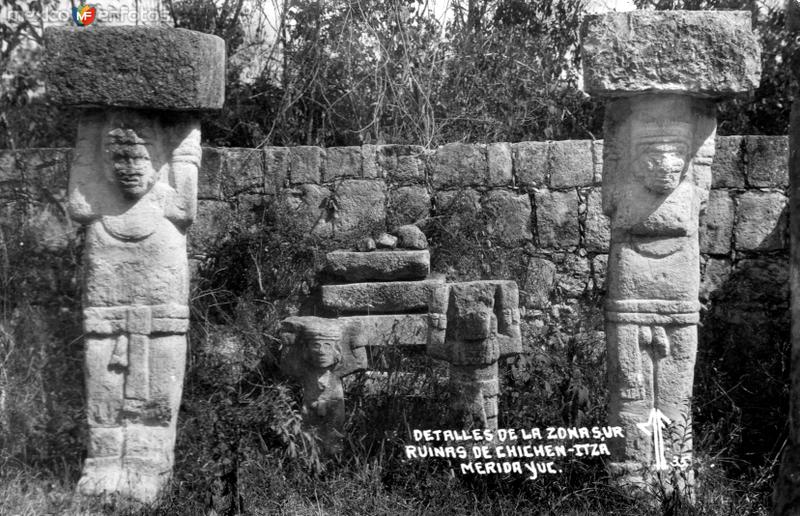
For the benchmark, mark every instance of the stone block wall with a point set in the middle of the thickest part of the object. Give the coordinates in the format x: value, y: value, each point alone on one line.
x: 536, y: 205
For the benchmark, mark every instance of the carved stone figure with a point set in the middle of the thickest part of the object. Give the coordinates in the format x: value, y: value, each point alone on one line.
x: 471, y: 326
x: 657, y: 168
x: 662, y: 72
x: 320, y: 352
x: 133, y: 184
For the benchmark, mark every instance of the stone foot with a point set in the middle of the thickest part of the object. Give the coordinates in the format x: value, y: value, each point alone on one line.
x: 101, y: 476
x: 144, y: 480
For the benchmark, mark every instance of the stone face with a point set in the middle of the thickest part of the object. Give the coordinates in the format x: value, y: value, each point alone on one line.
x: 135, y: 67
x: 571, y: 163
x: 530, y: 163
x: 473, y: 324
x: 716, y: 227
x: 761, y: 219
x: 656, y: 176
x: 598, y: 227
x: 411, y: 237
x: 508, y: 217
x: 133, y: 184
x: 704, y: 53
x: 557, y: 218
x: 392, y: 296
x: 767, y: 163
x: 378, y: 265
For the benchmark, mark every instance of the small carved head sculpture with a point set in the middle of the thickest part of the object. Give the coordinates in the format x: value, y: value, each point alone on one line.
x: 323, y: 343
x: 660, y: 154
x: 132, y: 168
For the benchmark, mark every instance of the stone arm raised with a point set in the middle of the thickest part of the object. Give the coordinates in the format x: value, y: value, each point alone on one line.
x: 183, y: 169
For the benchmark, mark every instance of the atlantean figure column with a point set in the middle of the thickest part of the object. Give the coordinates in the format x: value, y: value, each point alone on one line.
x: 133, y: 184
x: 661, y: 73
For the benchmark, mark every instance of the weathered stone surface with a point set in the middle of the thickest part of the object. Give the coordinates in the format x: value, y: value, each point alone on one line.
x: 600, y: 271
x: 471, y: 326
x: 360, y: 206
x: 727, y: 170
x: 389, y: 330
x: 401, y: 163
x: 598, y: 227
x: 508, y: 217
x: 657, y: 171
x: 458, y: 208
x: 378, y: 265
x: 767, y: 161
x: 305, y: 205
x: 716, y: 227
x: 386, y: 241
x: 407, y: 205
x: 500, y: 164
x: 136, y: 289
x: 708, y: 53
x: 597, y: 159
x: 369, y: 162
x: 571, y: 163
x: 342, y: 162
x: 305, y: 163
x: 573, y: 274
x: 366, y: 244
x: 557, y: 218
x: 320, y: 352
x: 204, y: 235
x: 392, y: 296
x: 539, y: 282
x: 136, y: 67
x: 761, y: 220
x: 530, y: 163
x: 716, y: 273
x: 411, y: 237
x: 459, y: 164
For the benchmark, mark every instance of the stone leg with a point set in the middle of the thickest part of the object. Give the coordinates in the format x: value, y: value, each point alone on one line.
x: 323, y: 408
x: 104, y: 386
x: 630, y: 374
x: 675, y: 378
x: 150, y: 430
x: 476, y: 388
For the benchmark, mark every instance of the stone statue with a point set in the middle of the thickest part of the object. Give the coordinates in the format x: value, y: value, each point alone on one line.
x: 661, y: 72
x: 320, y: 352
x: 133, y: 185
x: 657, y: 168
x: 472, y: 325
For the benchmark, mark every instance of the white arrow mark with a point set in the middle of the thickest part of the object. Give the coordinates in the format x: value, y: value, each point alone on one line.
x: 654, y: 426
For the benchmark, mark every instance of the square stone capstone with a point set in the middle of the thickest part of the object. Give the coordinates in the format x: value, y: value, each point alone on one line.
x: 136, y: 67
x: 701, y: 53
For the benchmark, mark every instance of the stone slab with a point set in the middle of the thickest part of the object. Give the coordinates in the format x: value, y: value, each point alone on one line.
x: 391, y: 296
x: 390, y: 330
x: 703, y: 53
x: 378, y: 265
x: 136, y: 67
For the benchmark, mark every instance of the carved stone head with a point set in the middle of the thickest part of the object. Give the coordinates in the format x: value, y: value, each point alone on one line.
x: 661, y: 153
x: 132, y: 167
x: 323, y: 343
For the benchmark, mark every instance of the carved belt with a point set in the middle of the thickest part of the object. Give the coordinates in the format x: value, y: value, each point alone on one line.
x: 652, y: 311
x: 133, y: 326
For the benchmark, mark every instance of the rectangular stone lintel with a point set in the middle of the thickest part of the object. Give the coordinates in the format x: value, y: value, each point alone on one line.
x: 699, y: 53
x: 388, y: 330
x: 378, y: 265
x: 391, y: 296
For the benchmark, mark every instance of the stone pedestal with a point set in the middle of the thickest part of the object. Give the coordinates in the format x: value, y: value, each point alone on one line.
x: 133, y: 184
x: 661, y: 72
x: 471, y: 326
